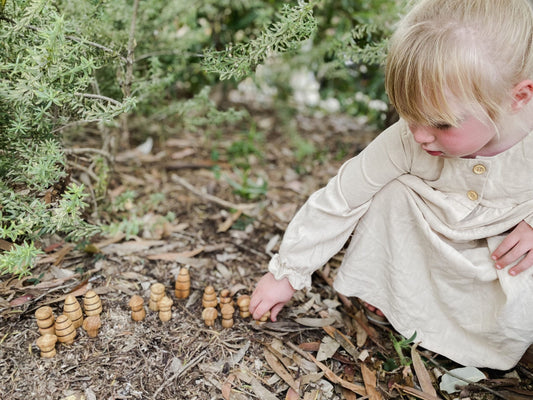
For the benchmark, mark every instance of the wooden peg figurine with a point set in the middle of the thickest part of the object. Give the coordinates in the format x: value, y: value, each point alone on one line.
x: 209, y: 315
x: 157, y: 291
x: 182, y: 288
x: 244, y: 305
x: 72, y: 310
x: 209, y: 298
x: 137, y: 308
x: 225, y: 297
x: 45, y: 320
x: 227, y: 311
x: 92, y: 303
x: 264, y: 318
x: 65, y: 330
x: 165, y: 308
x: 91, y: 325
x: 47, y: 344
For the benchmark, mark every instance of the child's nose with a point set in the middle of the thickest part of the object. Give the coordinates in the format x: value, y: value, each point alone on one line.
x: 421, y: 134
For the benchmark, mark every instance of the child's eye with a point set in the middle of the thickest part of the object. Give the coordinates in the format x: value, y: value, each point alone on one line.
x: 442, y: 126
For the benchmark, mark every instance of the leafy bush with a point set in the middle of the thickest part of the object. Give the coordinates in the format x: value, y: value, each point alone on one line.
x: 341, y: 44
x: 46, y: 74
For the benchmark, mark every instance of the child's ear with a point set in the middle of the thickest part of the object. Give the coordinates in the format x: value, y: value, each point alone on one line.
x: 522, y: 94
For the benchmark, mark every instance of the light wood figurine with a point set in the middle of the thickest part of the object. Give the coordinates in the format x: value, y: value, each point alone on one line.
x: 157, y: 291
x: 45, y: 320
x: 65, y: 330
x: 244, y: 305
x: 225, y: 297
x: 137, y: 308
x: 264, y: 318
x: 165, y: 308
x: 182, y: 288
x: 91, y: 325
x: 72, y: 310
x: 227, y: 311
x: 47, y: 345
x: 92, y: 303
x: 209, y: 315
x: 209, y: 299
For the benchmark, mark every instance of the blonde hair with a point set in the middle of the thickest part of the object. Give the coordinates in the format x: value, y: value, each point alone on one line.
x: 469, y: 52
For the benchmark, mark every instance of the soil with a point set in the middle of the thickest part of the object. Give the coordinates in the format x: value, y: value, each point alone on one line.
x: 185, y: 214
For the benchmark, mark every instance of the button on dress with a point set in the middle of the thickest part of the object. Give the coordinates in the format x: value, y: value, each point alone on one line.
x: 421, y: 230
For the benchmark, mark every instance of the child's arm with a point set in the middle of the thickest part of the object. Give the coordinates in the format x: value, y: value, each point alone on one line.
x: 518, y: 243
x: 270, y: 294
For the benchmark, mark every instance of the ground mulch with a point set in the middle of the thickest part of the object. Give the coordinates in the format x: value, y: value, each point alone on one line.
x: 322, y: 347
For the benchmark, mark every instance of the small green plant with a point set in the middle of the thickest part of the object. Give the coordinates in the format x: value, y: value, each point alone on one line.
x: 249, y: 145
x: 400, y: 345
x: 247, y: 187
x: 130, y: 226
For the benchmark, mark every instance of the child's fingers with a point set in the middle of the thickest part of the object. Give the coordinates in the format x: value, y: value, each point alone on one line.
x: 507, y: 244
x: 274, y: 311
x: 511, y: 256
x: 523, y: 265
x: 260, y: 310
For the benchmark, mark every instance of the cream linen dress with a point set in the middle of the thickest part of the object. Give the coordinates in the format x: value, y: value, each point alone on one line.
x: 423, y: 230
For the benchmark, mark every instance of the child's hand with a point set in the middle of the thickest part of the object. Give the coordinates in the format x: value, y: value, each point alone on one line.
x: 270, y: 294
x: 518, y: 243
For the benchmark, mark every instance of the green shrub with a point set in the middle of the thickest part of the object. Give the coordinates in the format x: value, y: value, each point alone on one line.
x: 341, y: 43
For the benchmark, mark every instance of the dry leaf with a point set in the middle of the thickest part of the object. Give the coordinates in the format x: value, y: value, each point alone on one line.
x: 21, y: 300
x: 315, y: 322
x: 292, y: 395
x: 422, y: 373
x: 262, y: 392
x: 370, y: 380
x: 279, y: 369
x: 328, y: 347
x: 131, y: 247
x: 223, y: 227
x: 343, y: 341
x: 226, y: 387
x: 331, y: 375
x: 415, y: 392
x: 309, y: 346
x: 5, y: 245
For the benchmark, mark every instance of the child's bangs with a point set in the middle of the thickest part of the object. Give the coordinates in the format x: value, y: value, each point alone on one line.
x: 429, y: 77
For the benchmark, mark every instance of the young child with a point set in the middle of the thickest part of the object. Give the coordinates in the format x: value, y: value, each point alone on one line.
x: 440, y: 204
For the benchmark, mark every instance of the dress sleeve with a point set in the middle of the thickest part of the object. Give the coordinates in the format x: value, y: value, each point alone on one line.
x: 325, y: 222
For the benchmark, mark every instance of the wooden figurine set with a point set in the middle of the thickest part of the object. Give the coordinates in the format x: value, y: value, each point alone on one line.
x: 63, y: 328
x: 226, y: 305
x: 160, y: 302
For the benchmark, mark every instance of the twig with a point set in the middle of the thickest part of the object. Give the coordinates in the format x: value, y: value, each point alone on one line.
x: 175, y: 375
x: 81, y: 150
x: 131, y: 49
x: 211, y: 198
x: 99, y: 97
